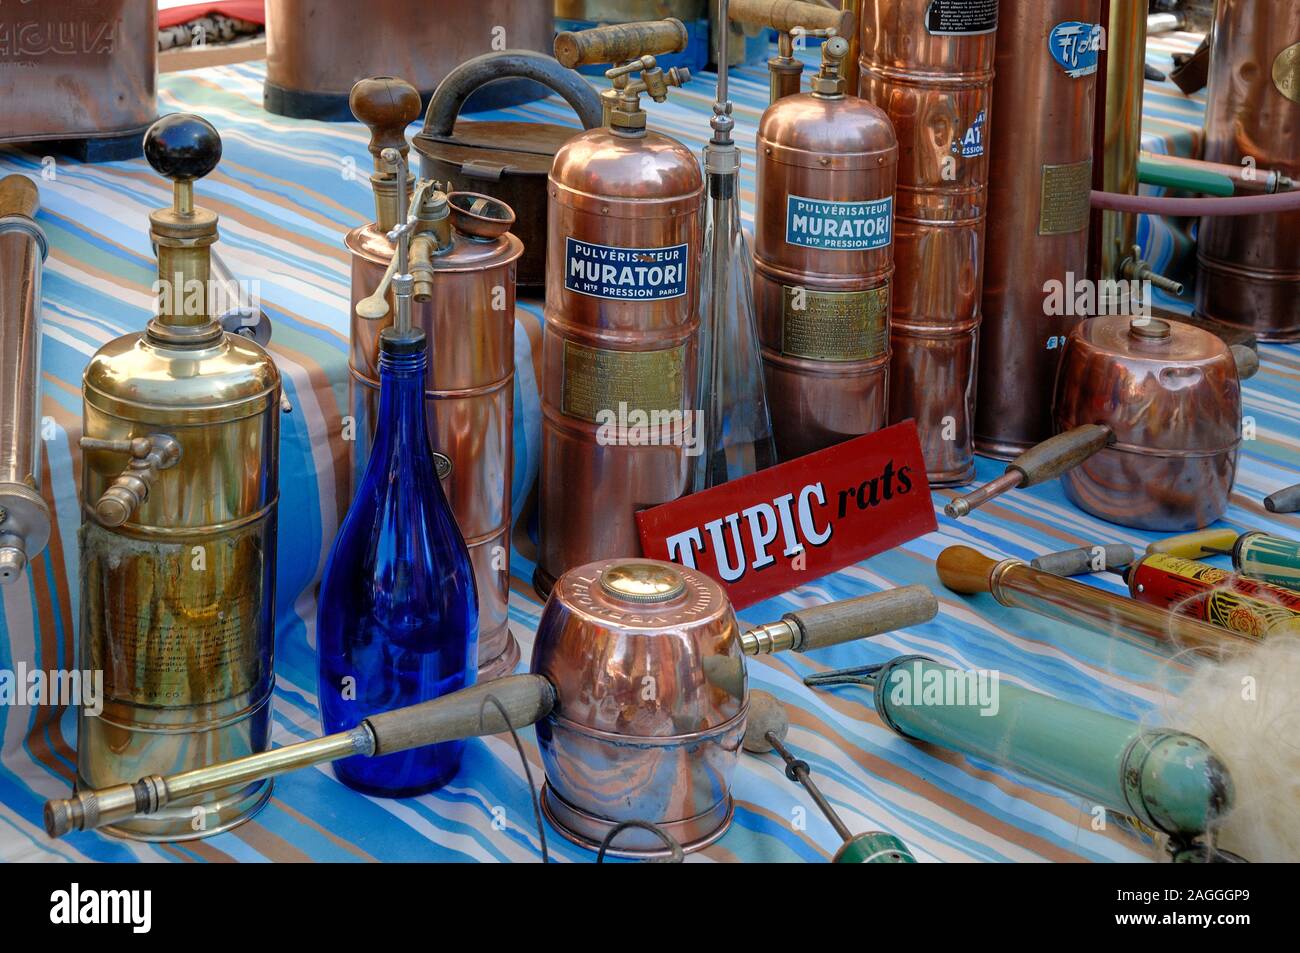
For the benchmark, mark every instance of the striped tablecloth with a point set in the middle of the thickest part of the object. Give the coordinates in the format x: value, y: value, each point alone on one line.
x: 287, y: 192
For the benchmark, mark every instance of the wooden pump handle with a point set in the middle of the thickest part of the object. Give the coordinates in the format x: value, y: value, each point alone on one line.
x: 785, y: 15
x: 863, y: 617
x: 621, y: 42
x: 464, y: 714
x: 1065, y: 451
x: 966, y: 571
x: 19, y: 196
x: 386, y: 105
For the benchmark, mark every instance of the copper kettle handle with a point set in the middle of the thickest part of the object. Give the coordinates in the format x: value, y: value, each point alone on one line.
x: 456, y: 87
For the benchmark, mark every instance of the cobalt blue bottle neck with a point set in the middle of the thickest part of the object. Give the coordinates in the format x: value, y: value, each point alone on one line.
x: 403, y: 364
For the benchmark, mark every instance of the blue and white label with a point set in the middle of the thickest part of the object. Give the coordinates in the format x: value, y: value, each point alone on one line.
x: 1077, y: 47
x: 971, y: 145
x: 839, y: 226
x: 625, y: 274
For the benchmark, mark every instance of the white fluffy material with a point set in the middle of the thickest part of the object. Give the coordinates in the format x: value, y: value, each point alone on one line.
x: 1247, y: 709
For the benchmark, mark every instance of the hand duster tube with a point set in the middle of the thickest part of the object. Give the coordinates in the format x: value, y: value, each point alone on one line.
x: 1167, y: 779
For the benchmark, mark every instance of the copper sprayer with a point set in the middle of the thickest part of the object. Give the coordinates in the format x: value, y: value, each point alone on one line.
x: 932, y: 72
x: 638, y: 689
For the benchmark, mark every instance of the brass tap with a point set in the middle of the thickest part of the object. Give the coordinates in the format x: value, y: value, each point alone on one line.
x: 149, y: 455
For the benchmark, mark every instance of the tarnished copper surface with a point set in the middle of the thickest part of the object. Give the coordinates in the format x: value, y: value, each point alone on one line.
x: 1171, y: 395
x: 627, y: 192
x: 77, y: 69
x: 1039, y: 182
x: 831, y: 384
x: 469, y: 324
x: 938, y: 91
x: 1250, y: 266
x: 323, y: 46
x: 646, y: 661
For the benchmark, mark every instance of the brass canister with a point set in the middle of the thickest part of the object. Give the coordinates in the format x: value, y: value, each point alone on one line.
x: 646, y: 659
x: 929, y: 66
x: 1171, y: 396
x: 1040, y: 183
x: 624, y: 244
x: 178, y: 537
x: 824, y: 261
x: 1249, y: 266
x: 82, y: 70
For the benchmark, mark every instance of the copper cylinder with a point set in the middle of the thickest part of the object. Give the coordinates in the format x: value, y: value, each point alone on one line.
x: 635, y: 200
x: 930, y: 67
x: 317, y: 49
x: 469, y: 323
x: 822, y: 298
x: 77, y: 69
x: 1170, y: 394
x: 1040, y: 181
x: 1250, y: 266
x: 649, y: 676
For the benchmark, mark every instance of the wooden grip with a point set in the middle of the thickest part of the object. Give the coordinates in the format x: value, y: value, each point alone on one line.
x: 863, y: 617
x: 463, y: 714
x: 621, y: 42
x: 1086, y: 559
x: 19, y: 196
x: 1054, y: 456
x: 964, y: 570
x: 784, y: 15
x: 386, y: 106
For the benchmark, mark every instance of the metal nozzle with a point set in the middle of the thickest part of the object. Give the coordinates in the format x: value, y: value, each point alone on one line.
x: 1135, y: 268
x: 963, y: 505
x: 13, y: 560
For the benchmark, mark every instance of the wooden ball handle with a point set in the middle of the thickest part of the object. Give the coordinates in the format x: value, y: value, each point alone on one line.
x: 386, y: 105
x: 863, y: 617
x: 966, y: 571
x: 19, y: 196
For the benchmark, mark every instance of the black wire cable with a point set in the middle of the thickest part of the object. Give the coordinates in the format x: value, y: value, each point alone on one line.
x: 528, y: 771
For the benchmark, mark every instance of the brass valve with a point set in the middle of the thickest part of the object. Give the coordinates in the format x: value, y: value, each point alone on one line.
x: 829, y: 82
x: 149, y: 455
x: 623, y: 112
x: 791, y: 19
x: 1136, y: 268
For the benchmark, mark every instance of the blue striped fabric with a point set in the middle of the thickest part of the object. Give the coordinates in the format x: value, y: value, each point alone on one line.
x: 287, y: 191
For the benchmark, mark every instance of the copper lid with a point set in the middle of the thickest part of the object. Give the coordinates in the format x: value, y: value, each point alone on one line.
x: 1160, y: 385
x: 627, y: 643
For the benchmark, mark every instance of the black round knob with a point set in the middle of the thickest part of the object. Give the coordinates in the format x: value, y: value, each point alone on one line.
x: 182, y: 146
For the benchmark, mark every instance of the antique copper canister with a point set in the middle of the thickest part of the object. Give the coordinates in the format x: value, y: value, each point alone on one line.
x: 24, y: 514
x: 1170, y: 394
x: 179, y: 489
x: 81, y: 71
x: 631, y: 647
x: 823, y: 261
x: 624, y: 244
x: 1249, y: 267
x: 317, y: 49
x: 929, y: 65
x: 1040, y: 180
x: 463, y: 259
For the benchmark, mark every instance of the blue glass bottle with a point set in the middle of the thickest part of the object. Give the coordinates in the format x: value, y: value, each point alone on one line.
x: 398, y: 611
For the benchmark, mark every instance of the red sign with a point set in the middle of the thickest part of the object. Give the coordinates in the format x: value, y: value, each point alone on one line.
x: 782, y: 527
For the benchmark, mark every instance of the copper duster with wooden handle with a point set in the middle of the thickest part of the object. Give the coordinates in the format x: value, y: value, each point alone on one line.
x: 1016, y: 584
x: 633, y: 720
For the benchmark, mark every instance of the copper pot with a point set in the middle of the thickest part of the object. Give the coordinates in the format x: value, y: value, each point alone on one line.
x: 647, y: 663
x: 1148, y: 414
